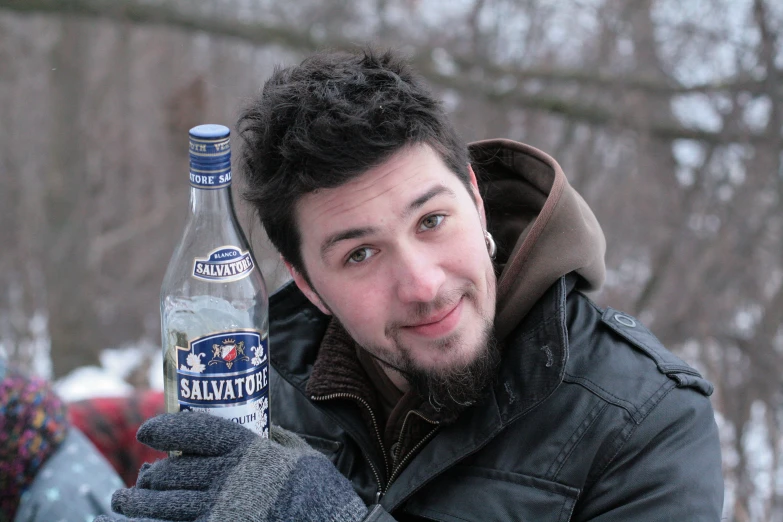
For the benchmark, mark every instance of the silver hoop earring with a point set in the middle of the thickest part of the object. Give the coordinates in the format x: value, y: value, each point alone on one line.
x: 491, y: 246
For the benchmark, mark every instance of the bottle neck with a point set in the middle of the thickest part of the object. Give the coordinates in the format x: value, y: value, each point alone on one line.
x: 211, y: 201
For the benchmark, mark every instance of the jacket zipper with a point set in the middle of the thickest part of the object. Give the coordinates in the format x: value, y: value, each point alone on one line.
x: 381, y: 489
x: 414, y: 449
x: 405, y: 423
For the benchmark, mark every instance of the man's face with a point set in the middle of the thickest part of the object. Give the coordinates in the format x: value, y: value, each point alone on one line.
x: 398, y: 255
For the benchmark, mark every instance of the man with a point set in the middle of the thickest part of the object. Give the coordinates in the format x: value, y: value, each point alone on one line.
x: 435, y: 343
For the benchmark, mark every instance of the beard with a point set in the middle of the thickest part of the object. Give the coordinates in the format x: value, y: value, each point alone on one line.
x: 451, y: 389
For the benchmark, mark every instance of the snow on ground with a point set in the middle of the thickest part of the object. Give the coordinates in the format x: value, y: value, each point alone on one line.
x: 89, y: 382
x: 109, y: 379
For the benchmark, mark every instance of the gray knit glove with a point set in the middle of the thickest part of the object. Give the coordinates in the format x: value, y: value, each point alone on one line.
x: 226, y: 472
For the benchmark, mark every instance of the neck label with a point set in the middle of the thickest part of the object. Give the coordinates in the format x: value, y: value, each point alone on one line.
x: 210, y: 180
x: 223, y: 265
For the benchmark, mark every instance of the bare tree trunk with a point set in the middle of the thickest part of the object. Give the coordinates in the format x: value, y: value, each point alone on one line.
x: 71, y: 296
x: 655, y: 154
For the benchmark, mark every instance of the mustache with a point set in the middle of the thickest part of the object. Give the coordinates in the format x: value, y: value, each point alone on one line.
x: 444, y: 301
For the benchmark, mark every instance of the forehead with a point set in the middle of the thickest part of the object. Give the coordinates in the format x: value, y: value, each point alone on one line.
x: 380, y: 190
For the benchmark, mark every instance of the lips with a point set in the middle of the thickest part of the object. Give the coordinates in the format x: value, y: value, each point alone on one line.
x: 438, y: 325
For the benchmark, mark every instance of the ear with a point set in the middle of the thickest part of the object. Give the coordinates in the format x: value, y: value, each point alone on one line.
x: 304, y: 286
x: 477, y: 197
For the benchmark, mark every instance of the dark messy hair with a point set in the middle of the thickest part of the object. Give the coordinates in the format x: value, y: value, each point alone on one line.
x: 328, y: 120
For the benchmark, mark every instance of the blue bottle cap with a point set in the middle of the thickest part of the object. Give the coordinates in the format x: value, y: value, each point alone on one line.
x: 210, y: 156
x: 209, y: 131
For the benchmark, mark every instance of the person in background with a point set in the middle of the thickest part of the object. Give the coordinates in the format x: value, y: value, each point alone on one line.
x: 49, y: 471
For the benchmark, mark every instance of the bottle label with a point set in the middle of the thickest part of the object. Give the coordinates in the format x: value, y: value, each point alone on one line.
x: 226, y: 374
x: 223, y: 265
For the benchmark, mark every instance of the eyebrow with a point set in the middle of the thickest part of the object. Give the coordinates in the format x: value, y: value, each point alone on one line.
x: 356, y: 233
x: 424, y: 198
x: 351, y: 233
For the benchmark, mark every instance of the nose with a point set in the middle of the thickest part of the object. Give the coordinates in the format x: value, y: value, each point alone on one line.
x: 419, y: 276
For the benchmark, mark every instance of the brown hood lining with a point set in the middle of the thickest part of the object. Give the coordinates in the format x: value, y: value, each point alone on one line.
x: 544, y: 229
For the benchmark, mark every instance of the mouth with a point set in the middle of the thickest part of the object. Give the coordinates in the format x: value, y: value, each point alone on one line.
x: 438, y: 325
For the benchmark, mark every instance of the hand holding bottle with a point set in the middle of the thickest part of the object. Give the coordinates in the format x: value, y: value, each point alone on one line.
x: 226, y: 472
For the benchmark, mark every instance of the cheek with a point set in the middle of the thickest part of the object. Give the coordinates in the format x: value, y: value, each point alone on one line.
x: 470, y: 261
x: 361, y: 306
x: 469, y: 253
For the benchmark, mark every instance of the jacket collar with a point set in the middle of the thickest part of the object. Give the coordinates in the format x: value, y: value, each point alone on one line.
x: 537, y: 352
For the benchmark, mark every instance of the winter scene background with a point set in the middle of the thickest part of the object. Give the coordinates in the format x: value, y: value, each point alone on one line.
x: 666, y: 115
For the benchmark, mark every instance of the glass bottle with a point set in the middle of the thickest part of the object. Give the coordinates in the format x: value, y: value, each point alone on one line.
x: 213, y: 300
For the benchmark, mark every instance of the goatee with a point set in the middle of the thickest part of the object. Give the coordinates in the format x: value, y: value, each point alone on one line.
x: 450, y: 391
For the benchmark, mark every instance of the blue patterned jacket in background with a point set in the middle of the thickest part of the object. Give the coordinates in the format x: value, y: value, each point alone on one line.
x: 74, y: 484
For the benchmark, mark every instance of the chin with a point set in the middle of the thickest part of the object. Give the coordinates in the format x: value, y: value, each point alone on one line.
x: 447, y: 354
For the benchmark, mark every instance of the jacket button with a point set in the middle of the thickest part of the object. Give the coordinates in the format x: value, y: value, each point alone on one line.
x: 625, y: 320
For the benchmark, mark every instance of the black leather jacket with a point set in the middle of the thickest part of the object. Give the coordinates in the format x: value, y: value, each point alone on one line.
x: 591, y: 418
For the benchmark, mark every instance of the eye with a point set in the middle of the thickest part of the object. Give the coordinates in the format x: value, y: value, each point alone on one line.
x: 360, y: 255
x: 431, y: 221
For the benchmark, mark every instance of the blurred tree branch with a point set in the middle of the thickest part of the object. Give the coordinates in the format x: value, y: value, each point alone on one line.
x: 169, y: 14
x: 598, y: 79
x: 474, y: 77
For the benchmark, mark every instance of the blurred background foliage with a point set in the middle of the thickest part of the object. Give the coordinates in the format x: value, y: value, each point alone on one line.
x: 665, y: 114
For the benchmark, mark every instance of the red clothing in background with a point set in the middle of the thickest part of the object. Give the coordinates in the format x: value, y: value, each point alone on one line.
x: 111, y: 424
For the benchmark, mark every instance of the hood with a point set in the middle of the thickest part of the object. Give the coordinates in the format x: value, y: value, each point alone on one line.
x: 542, y: 226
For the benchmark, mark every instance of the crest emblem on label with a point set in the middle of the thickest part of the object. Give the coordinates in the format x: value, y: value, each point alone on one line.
x: 228, y: 352
x: 223, y: 265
